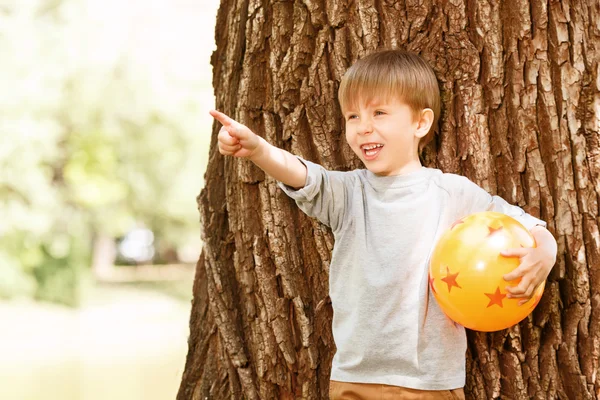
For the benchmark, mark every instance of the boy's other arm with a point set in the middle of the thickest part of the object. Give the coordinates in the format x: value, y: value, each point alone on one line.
x: 238, y: 140
x: 535, y: 263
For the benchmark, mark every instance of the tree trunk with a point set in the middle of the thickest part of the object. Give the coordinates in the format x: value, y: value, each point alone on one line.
x: 520, y: 87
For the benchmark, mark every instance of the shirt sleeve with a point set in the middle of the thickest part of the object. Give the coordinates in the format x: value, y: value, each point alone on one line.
x: 477, y: 200
x: 324, y: 195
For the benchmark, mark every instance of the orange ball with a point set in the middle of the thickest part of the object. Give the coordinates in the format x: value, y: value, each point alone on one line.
x: 466, y: 272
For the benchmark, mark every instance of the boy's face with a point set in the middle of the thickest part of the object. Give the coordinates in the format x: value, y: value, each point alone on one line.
x: 385, y: 136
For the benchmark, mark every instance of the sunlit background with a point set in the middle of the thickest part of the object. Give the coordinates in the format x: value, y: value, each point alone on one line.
x: 104, y: 134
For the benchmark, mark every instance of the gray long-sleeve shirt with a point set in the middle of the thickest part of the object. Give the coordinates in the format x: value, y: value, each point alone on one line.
x: 385, y: 229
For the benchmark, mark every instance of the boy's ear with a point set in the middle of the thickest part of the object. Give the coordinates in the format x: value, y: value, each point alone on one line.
x: 424, y: 123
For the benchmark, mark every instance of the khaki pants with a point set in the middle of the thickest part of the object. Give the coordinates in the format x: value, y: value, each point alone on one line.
x: 368, y: 391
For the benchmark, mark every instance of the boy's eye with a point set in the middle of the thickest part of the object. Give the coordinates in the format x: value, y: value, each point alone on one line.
x: 352, y: 116
x: 378, y: 112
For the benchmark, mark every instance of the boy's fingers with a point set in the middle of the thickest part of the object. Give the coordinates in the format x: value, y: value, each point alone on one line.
x: 233, y: 127
x: 222, y: 118
x: 520, y: 290
x: 514, y: 274
x: 226, y: 138
x: 515, y: 252
x: 230, y: 148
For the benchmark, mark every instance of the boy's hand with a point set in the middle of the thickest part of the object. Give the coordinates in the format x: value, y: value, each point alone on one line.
x: 536, y: 264
x: 235, y: 139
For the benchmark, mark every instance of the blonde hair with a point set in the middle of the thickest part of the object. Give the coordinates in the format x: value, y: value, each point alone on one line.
x: 392, y: 74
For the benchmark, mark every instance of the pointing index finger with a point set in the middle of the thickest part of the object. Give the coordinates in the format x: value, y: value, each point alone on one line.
x: 222, y: 118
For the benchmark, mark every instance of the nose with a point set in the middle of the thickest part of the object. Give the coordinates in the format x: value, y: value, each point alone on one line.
x: 366, y: 126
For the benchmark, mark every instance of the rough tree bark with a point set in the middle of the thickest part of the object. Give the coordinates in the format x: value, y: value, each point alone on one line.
x: 520, y: 87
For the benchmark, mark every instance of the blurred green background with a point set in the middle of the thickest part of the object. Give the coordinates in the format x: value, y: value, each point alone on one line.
x: 104, y: 134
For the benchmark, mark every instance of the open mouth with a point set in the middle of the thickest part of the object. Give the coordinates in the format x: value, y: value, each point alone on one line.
x: 371, y: 150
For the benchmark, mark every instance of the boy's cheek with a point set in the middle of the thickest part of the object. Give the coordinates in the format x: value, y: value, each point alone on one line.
x: 351, y: 140
x: 348, y: 134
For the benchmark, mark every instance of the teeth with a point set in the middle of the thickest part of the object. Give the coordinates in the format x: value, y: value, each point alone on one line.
x: 372, y: 146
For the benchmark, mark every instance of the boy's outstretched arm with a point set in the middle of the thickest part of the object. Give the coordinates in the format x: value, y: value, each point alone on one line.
x: 238, y: 140
x: 536, y: 264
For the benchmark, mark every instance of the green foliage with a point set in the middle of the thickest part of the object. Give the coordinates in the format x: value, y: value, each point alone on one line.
x: 13, y: 280
x: 98, y: 134
x: 59, y: 279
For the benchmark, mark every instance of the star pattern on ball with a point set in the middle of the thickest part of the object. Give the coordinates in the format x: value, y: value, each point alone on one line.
x: 496, y: 298
x: 450, y: 280
x: 493, y: 230
x: 468, y: 270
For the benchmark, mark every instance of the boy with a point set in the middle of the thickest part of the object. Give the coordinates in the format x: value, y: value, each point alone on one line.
x: 392, y: 339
